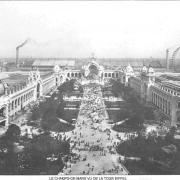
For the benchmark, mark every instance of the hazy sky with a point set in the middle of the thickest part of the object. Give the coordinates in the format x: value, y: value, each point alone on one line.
x: 76, y: 29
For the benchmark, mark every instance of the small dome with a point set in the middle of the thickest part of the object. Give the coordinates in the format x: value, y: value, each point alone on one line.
x: 150, y: 70
x: 56, y: 69
x: 144, y: 69
x: 129, y: 69
x: 93, y: 63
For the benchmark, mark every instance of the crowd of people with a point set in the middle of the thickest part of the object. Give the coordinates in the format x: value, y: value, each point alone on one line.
x: 92, y: 143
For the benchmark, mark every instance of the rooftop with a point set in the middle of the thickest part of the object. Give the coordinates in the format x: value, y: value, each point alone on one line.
x: 19, y: 78
x: 51, y: 62
x: 15, y: 78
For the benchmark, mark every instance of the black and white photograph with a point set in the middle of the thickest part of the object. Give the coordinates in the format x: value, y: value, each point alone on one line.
x: 89, y: 88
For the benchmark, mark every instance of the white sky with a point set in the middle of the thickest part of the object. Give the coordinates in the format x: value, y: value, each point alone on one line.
x: 76, y: 29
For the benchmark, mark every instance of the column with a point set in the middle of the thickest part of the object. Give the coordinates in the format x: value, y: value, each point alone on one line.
x: 6, y: 116
x: 173, y: 112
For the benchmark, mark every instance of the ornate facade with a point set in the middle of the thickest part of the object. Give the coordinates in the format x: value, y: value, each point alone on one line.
x: 15, y: 96
x: 164, y: 95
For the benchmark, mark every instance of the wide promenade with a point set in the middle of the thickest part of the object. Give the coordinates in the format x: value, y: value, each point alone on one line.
x: 92, y: 141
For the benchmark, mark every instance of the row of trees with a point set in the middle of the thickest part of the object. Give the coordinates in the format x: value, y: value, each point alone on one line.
x: 150, y: 146
x: 20, y: 155
x: 42, y: 154
x: 133, y: 109
x: 68, y: 86
x: 158, y: 152
x: 48, y: 112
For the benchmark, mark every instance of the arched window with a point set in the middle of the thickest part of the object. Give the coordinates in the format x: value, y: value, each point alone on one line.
x: 13, y: 105
x: 9, y: 107
x: 16, y: 103
x: 21, y: 100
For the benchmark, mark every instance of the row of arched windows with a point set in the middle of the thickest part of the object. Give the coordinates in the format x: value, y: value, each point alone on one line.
x: 20, y: 100
x: 110, y: 75
x: 74, y: 75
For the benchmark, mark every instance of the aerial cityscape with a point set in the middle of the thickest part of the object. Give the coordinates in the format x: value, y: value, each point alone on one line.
x: 87, y: 112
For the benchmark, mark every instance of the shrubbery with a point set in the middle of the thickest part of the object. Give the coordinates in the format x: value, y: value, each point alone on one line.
x: 21, y: 155
x: 50, y: 110
x: 29, y: 156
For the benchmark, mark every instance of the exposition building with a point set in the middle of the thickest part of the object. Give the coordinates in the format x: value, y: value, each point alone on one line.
x: 18, y: 89
x: 162, y: 90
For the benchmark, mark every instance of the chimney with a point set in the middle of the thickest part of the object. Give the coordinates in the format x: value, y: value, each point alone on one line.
x: 17, y: 51
x: 17, y: 57
x: 167, y: 59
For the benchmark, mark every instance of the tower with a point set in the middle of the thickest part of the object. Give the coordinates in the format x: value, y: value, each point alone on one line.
x: 147, y: 80
x: 128, y: 72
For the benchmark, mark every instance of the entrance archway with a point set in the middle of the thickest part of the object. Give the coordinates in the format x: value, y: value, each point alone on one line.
x: 93, y: 69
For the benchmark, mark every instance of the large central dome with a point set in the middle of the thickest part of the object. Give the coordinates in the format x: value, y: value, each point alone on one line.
x: 93, y: 70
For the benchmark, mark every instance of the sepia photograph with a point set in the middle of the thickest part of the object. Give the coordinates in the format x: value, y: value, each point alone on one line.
x: 89, y: 88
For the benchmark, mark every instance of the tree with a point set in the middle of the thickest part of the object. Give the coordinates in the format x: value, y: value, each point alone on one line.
x: 13, y: 133
x: 136, y: 121
x: 148, y: 113
x: 60, y: 112
x: 170, y: 135
x: 8, y: 156
x: 35, y: 158
x: 48, y: 119
x: 35, y: 110
x: 117, y: 87
x: 67, y: 86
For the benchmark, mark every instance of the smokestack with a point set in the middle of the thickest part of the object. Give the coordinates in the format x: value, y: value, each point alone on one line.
x: 17, y: 51
x: 167, y: 59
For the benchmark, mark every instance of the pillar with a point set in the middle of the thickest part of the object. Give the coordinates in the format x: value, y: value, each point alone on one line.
x: 173, y: 111
x: 7, y: 116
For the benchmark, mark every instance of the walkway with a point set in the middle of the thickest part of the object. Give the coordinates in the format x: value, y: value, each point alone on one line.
x: 92, y: 141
